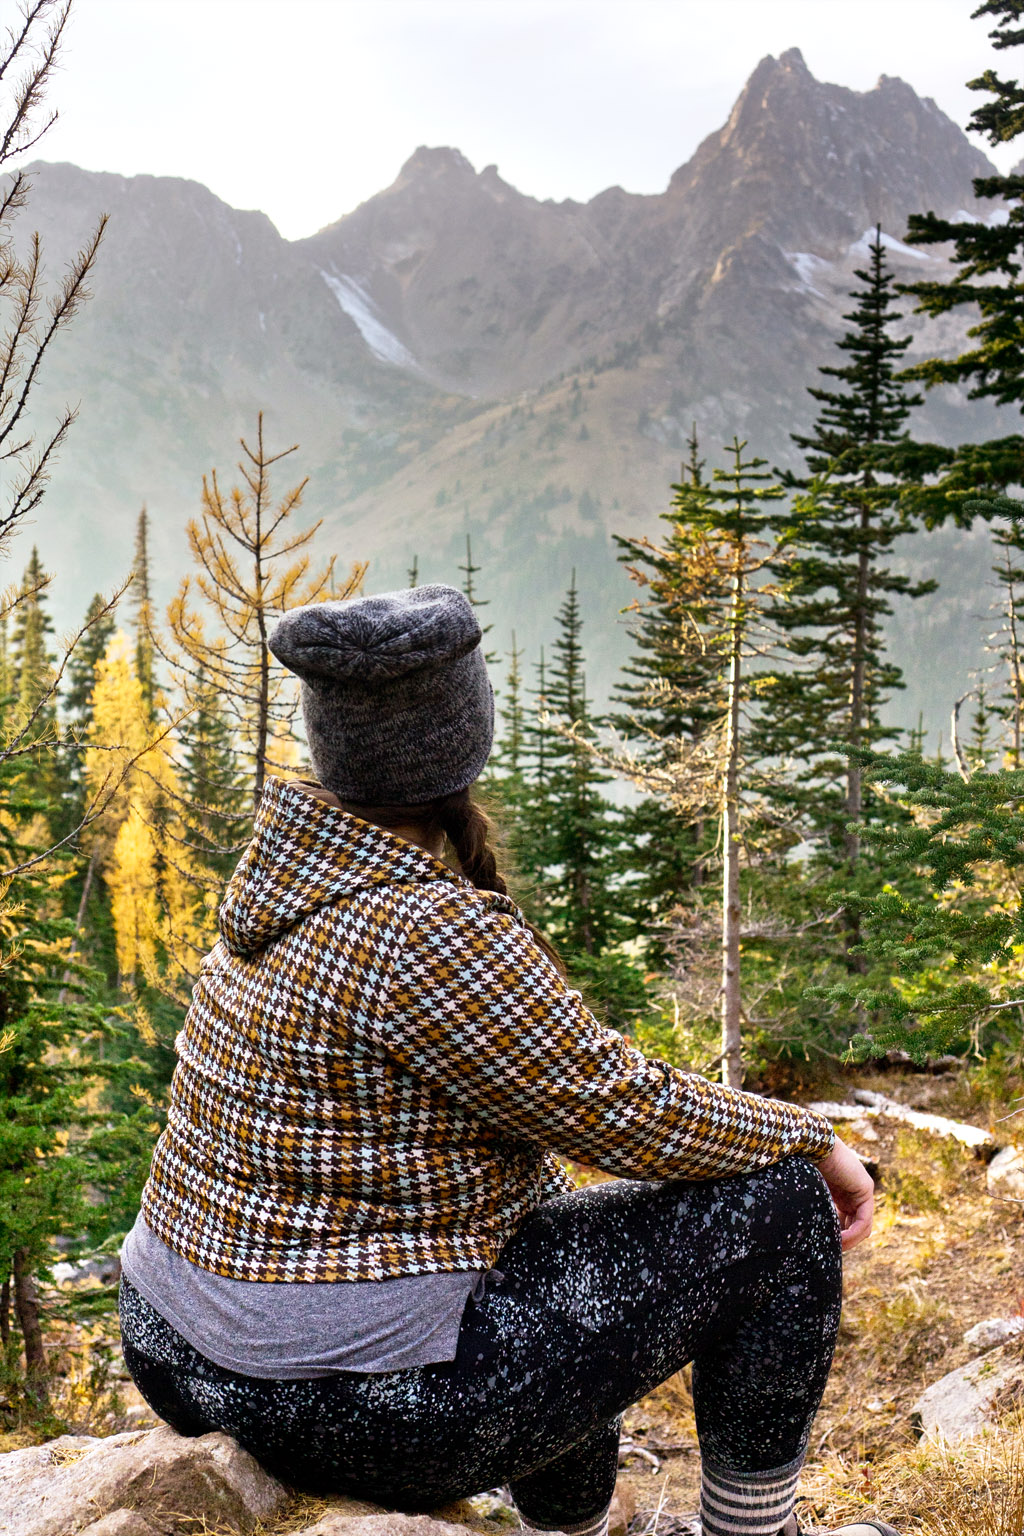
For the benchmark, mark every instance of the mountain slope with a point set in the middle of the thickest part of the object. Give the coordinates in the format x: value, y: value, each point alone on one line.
x: 455, y: 356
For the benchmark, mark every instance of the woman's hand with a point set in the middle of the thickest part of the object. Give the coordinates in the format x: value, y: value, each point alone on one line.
x: 853, y: 1193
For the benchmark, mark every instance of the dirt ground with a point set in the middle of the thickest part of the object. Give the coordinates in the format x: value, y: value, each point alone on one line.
x: 944, y: 1255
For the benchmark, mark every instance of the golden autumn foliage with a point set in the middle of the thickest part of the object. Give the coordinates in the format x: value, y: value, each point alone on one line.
x: 132, y: 883
x: 251, y: 566
x: 175, y: 824
x: 140, y: 846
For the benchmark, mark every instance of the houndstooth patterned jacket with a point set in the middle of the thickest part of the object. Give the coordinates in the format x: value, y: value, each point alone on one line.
x: 379, y: 1063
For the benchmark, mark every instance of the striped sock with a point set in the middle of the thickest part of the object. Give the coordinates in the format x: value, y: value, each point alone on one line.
x: 747, y: 1503
x: 597, y: 1526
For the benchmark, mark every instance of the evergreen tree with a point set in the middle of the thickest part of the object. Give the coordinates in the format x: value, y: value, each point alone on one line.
x: 33, y: 661
x: 581, y: 832
x: 989, y: 279
x: 506, y: 787
x: 980, y: 744
x: 943, y: 939
x: 100, y: 625
x: 469, y: 574
x: 988, y: 255
x: 670, y: 691
x: 505, y: 779
x: 33, y: 713
x: 70, y: 1167
x: 511, y: 742
x: 726, y: 538
x: 837, y: 586
x: 528, y: 817
x: 80, y: 682
x: 214, y: 787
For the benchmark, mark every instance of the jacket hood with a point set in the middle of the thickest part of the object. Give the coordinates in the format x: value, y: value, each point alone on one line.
x: 306, y: 854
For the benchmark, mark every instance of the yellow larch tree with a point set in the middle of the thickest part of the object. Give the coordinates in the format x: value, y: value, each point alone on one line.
x: 252, y: 564
x: 138, y: 846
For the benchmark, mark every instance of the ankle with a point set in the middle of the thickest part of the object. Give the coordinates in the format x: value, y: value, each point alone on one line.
x: 596, y: 1526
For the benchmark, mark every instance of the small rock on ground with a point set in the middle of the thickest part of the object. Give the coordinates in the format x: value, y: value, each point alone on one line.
x: 994, y: 1330
x: 960, y: 1404
x: 1005, y: 1176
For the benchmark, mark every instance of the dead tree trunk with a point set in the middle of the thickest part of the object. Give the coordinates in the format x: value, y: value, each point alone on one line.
x: 732, y: 1042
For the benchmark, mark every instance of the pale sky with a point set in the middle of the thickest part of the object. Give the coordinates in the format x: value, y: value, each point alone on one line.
x: 304, y: 108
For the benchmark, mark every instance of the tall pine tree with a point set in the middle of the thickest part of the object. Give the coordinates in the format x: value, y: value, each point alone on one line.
x: 33, y: 660
x: 580, y: 823
x: 214, y: 787
x: 725, y: 540
x: 469, y: 574
x: 837, y: 586
x: 669, y: 691
x: 988, y: 255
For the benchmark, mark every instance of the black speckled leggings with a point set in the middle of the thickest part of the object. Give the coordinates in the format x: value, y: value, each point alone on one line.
x: 605, y: 1293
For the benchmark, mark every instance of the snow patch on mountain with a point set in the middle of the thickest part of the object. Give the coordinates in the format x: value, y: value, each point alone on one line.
x: 862, y: 247
x: 994, y: 221
x: 808, y: 268
x: 360, y: 308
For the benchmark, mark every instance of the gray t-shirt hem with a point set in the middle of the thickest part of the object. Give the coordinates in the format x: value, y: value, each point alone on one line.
x: 296, y: 1330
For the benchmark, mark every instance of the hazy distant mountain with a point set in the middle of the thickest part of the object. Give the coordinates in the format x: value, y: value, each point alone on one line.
x: 456, y: 356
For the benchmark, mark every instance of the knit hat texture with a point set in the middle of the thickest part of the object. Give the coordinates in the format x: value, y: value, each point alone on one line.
x: 396, y: 699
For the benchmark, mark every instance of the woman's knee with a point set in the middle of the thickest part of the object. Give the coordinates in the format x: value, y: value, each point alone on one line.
x: 803, y: 1187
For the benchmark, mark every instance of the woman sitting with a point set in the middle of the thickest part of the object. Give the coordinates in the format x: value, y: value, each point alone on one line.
x: 357, y: 1252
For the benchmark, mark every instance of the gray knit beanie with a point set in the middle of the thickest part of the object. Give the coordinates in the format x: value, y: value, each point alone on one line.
x: 395, y: 695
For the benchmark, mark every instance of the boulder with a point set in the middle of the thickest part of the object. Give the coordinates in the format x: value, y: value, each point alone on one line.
x: 994, y: 1330
x: 1005, y: 1176
x: 74, y: 1484
x: 964, y: 1403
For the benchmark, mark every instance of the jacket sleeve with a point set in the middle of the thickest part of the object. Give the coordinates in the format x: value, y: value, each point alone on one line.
x: 476, y: 1009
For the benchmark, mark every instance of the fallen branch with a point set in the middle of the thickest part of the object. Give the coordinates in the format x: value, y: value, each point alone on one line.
x: 938, y: 1125
x: 842, y: 1111
x: 630, y: 1448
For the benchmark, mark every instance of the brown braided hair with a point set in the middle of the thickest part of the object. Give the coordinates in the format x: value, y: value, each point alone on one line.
x: 468, y: 831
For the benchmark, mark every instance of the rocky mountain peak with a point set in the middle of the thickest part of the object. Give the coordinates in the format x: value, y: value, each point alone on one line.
x: 812, y: 165
x: 431, y: 162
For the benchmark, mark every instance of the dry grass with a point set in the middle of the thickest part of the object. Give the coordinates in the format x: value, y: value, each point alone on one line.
x: 973, y: 1489
x: 301, y: 1513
